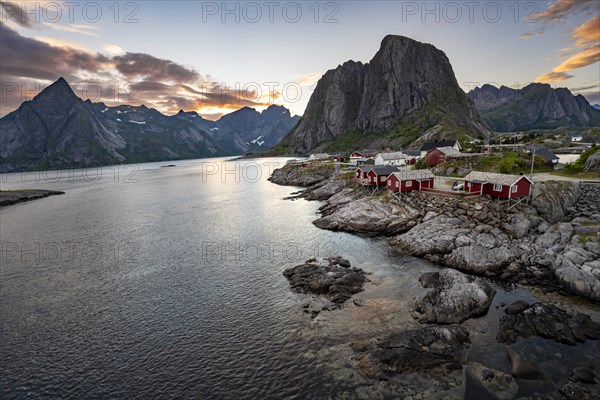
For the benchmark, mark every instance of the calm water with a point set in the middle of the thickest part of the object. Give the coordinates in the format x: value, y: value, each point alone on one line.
x: 167, y: 282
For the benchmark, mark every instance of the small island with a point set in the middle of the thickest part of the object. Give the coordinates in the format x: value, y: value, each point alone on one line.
x: 9, y: 197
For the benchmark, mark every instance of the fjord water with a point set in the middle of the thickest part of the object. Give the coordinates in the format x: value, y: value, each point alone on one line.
x: 145, y: 282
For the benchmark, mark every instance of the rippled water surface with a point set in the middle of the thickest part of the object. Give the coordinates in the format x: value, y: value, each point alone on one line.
x: 168, y: 283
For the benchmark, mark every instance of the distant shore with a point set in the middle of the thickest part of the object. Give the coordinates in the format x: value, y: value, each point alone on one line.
x: 9, y: 197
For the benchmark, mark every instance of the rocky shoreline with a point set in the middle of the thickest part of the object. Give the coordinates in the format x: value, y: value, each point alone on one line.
x: 553, y: 242
x: 9, y: 197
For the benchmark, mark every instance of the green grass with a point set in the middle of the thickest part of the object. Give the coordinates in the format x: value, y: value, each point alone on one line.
x: 507, y: 163
x: 576, y: 168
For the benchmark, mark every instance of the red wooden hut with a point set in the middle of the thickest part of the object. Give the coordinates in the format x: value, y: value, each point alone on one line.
x: 441, y: 155
x: 407, y: 181
x: 498, y: 185
x: 374, y: 175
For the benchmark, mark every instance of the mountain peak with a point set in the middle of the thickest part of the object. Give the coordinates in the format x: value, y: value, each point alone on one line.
x: 394, y: 91
x: 59, y: 90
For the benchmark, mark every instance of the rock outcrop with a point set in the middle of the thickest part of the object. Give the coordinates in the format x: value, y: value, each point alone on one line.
x: 336, y: 281
x: 583, y: 384
x: 291, y: 175
x: 407, y: 86
x: 547, y: 321
x: 536, y: 106
x: 431, y: 347
x: 553, y: 199
x: 592, y: 164
x: 350, y: 214
x: 456, y: 297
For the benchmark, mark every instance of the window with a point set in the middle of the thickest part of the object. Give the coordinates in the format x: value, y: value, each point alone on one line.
x: 497, y: 187
x: 383, y: 178
x: 408, y: 183
x: 514, y: 189
x: 397, y: 184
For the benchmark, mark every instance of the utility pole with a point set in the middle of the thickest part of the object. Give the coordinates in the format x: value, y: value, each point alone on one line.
x: 532, y: 160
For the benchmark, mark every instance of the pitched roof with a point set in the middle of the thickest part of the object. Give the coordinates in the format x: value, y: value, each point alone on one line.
x: 414, y: 175
x: 412, y: 153
x: 542, y: 151
x: 449, y: 151
x: 432, y: 145
x: 392, y: 156
x: 491, y: 177
x: 381, y: 170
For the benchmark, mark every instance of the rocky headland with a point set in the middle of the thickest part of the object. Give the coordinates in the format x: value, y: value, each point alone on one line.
x: 8, y: 197
x: 554, y: 241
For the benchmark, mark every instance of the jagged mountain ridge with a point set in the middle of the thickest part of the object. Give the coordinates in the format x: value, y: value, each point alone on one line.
x: 536, y: 106
x: 57, y: 129
x: 408, y: 92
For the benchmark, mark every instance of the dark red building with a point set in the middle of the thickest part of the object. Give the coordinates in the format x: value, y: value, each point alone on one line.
x: 440, y: 155
x: 374, y: 175
x: 410, y: 180
x: 498, y: 185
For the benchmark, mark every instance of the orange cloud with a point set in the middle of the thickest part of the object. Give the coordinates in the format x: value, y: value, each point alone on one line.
x: 560, y: 10
x: 582, y: 59
x: 587, y: 38
x: 553, y: 77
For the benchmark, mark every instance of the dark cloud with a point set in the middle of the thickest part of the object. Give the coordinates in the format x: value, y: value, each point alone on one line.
x: 156, y: 82
x: 29, y: 58
x: 14, y: 12
x: 584, y: 88
x: 140, y: 65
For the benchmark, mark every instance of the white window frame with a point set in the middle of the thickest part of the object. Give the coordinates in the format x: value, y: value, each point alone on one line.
x: 497, y: 187
x: 408, y: 184
x: 514, y: 189
x: 398, y: 184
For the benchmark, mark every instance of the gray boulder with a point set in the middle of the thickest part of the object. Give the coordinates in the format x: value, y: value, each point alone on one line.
x: 456, y: 297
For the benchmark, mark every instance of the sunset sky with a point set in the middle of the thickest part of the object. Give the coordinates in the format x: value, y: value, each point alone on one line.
x: 212, y: 59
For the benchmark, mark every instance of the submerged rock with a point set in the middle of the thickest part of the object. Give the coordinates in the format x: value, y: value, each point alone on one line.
x: 497, y: 384
x: 336, y: 282
x: 431, y: 347
x: 522, y: 368
x: 547, y: 321
x: 456, y: 297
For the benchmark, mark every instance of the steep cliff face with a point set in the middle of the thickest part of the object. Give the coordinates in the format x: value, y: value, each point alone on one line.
x: 408, y: 88
x: 536, y: 106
